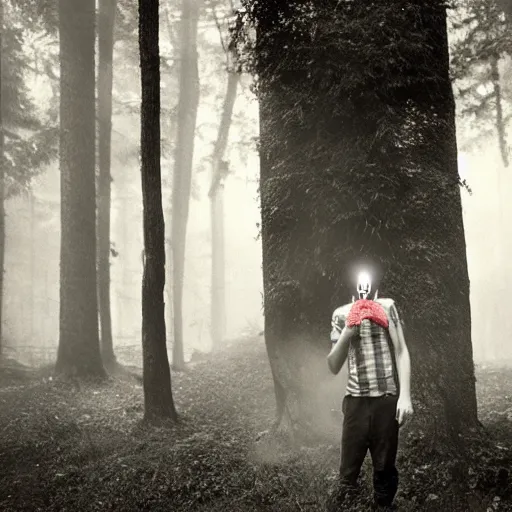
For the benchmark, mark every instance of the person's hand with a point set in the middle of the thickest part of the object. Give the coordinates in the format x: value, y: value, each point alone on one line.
x: 404, y: 410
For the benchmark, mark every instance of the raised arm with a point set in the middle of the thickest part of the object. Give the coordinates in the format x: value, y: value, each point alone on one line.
x: 339, y: 352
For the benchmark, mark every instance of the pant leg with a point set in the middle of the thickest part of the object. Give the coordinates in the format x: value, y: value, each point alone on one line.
x: 383, y: 448
x: 354, y: 439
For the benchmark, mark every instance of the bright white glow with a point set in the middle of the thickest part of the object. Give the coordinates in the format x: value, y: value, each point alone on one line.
x: 364, y: 284
x: 364, y: 278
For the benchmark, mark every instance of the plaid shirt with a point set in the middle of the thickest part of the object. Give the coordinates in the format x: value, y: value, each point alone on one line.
x: 371, y: 362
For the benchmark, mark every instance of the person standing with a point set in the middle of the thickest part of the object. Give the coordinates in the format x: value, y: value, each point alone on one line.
x: 368, y: 333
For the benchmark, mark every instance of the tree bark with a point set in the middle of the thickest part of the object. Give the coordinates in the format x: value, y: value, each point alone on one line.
x: 270, y: 331
x: 297, y: 300
x: 183, y: 161
x: 107, y: 12
x: 79, y: 348
x: 216, y: 194
x: 355, y: 169
x: 2, y: 179
x: 158, y: 399
x: 436, y: 304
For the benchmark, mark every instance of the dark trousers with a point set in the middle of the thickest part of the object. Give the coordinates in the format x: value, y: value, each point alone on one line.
x: 370, y: 424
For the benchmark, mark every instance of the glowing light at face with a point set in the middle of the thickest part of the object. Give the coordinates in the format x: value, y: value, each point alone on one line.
x: 364, y: 285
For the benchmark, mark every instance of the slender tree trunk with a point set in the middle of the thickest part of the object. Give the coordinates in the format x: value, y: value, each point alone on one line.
x: 500, y: 124
x: 32, y: 243
x: 158, y: 399
x: 107, y: 12
x: 2, y: 179
x: 216, y: 194
x: 501, y: 318
x: 79, y: 347
x: 168, y: 212
x: 124, y: 303
x: 182, y: 174
x: 218, y: 286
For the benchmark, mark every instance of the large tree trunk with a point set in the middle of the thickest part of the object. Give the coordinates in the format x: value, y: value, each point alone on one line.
x: 216, y: 194
x: 359, y: 168
x: 182, y: 173
x: 431, y: 254
x: 2, y: 179
x: 107, y: 12
x: 79, y: 347
x: 298, y: 296
x: 158, y: 399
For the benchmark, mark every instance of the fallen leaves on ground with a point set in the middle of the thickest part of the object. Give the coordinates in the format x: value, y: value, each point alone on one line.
x: 84, y: 448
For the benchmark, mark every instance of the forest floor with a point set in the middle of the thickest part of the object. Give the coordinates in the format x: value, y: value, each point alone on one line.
x: 83, y: 448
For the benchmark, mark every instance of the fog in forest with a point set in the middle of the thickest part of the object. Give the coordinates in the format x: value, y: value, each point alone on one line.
x: 287, y: 129
x: 31, y: 309
x: 31, y: 306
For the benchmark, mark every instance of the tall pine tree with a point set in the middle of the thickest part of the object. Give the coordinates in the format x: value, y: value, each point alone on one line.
x: 183, y: 160
x: 79, y: 347
x: 158, y: 399
x: 106, y: 23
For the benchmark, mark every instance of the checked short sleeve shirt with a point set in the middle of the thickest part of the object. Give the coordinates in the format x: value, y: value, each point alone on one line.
x: 371, y: 361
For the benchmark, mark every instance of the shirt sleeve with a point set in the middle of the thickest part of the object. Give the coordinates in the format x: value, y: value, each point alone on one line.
x: 395, y: 316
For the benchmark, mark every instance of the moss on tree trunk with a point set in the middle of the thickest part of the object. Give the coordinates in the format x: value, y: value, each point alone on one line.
x: 359, y: 163
x: 2, y: 179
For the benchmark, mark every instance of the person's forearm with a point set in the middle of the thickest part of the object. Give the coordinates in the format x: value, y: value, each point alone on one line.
x: 404, y: 367
x: 404, y: 374
x: 338, y: 355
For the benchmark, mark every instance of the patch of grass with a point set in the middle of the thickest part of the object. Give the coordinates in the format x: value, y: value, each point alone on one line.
x: 69, y: 448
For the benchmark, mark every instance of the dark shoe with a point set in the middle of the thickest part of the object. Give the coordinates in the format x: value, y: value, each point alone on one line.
x: 341, y: 496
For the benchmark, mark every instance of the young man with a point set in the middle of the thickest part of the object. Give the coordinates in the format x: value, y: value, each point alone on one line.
x: 378, y: 399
